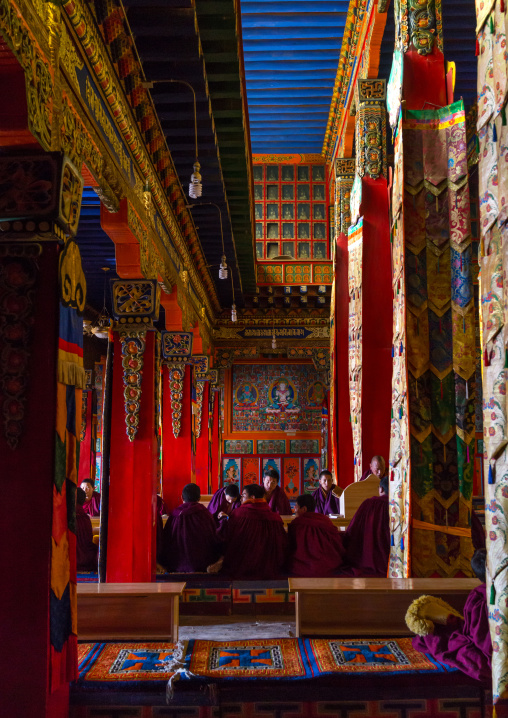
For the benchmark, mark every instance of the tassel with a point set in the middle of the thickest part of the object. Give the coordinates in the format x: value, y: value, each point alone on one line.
x: 402, y: 544
x: 492, y: 595
x: 503, y: 116
x: 441, y: 388
x: 401, y: 349
x: 392, y: 541
x: 400, y: 413
x: 486, y: 358
x: 501, y: 6
x: 491, y: 475
x: 393, y: 351
x: 506, y: 358
x: 477, y: 52
x: 392, y: 475
x: 492, y: 30
x: 392, y: 412
x: 494, y: 133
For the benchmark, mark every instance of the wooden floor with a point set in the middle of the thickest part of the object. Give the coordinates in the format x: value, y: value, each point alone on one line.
x: 235, y: 628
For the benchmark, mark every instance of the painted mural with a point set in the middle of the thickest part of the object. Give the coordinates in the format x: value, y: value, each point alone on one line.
x: 310, y: 475
x: 276, y: 397
x: 231, y: 471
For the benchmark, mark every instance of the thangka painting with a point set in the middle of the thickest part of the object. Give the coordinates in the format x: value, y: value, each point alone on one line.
x: 271, y: 446
x: 250, y: 468
x: 276, y: 397
x: 310, y: 475
x: 238, y: 446
x: 231, y: 471
x: 304, y: 446
x: 270, y: 464
x: 291, y: 477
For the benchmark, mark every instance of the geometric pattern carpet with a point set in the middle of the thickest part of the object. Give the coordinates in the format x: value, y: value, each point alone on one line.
x: 152, y: 663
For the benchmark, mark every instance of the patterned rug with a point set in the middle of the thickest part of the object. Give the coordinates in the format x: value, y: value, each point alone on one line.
x: 143, y: 664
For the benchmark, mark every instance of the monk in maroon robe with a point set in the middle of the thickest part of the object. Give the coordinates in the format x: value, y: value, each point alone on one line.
x: 92, y: 505
x: 466, y: 644
x: 255, y: 540
x: 223, y: 502
x: 189, y: 541
x: 315, y: 544
x: 86, y: 550
x: 326, y: 502
x: 367, y: 538
x: 377, y: 467
x: 275, y: 496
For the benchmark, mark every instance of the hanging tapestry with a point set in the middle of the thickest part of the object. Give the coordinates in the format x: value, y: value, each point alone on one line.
x: 399, y: 434
x: 310, y: 475
x: 434, y: 348
x: 291, y: 477
x: 250, y: 470
x: 269, y: 463
x: 276, y: 397
x: 355, y: 253
x: 71, y: 380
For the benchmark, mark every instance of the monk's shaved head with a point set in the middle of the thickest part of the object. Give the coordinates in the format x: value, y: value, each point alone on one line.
x: 377, y: 465
x: 191, y: 492
x: 254, y: 491
x: 80, y: 496
x: 232, y: 490
x: 306, y: 500
x: 273, y: 474
x: 479, y: 564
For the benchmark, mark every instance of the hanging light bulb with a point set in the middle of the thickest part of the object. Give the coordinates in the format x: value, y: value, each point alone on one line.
x: 195, y: 186
x: 223, y: 269
x: 234, y: 316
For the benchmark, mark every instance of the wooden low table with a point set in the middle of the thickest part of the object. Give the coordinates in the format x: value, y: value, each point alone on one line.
x: 367, y: 606
x: 129, y: 611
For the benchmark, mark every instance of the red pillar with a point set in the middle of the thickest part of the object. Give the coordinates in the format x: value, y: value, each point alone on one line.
x: 202, y: 452
x: 133, y: 478
x: 215, y: 458
x: 85, y: 449
x: 377, y: 318
x: 26, y: 514
x: 176, y: 452
x: 345, y: 453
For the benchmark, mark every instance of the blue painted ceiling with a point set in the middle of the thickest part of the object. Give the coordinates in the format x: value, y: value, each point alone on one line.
x: 291, y: 52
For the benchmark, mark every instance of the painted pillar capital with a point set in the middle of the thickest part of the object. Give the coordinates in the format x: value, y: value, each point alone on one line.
x: 371, y: 128
x: 344, y: 177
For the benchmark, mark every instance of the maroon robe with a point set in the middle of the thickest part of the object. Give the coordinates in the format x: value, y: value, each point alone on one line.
x: 315, y: 546
x: 161, y: 506
x: 465, y: 645
x: 326, y: 503
x: 86, y: 550
x: 255, y: 542
x: 219, y: 503
x: 93, y: 507
x: 189, y: 542
x: 367, y: 539
x: 279, y: 502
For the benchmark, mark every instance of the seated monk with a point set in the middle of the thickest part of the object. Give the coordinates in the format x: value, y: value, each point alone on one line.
x: 326, y: 501
x: 92, y: 505
x: 275, y: 496
x: 462, y: 643
x: 315, y: 544
x: 189, y: 541
x: 255, y: 541
x: 86, y: 550
x: 224, y: 501
x: 161, y: 506
x: 377, y: 467
x: 367, y: 538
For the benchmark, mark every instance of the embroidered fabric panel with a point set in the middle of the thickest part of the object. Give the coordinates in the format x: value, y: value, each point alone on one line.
x: 355, y: 254
x: 492, y: 128
x: 433, y: 425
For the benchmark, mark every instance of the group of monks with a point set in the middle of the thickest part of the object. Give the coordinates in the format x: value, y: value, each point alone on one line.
x: 242, y: 536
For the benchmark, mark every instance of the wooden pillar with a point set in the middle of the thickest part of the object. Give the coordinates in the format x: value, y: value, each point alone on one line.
x: 176, y: 450
x: 201, y: 461
x: 370, y: 292
x: 133, y: 459
x: 343, y: 438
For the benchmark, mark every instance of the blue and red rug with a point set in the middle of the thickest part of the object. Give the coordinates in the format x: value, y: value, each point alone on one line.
x: 140, y: 665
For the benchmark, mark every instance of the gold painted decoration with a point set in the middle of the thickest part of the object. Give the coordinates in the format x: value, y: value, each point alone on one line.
x: 71, y: 192
x: 371, y: 128
x: 72, y: 277
x: 344, y: 177
x: 355, y: 273
x: 133, y: 343
x: 176, y: 373
x: 136, y: 299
